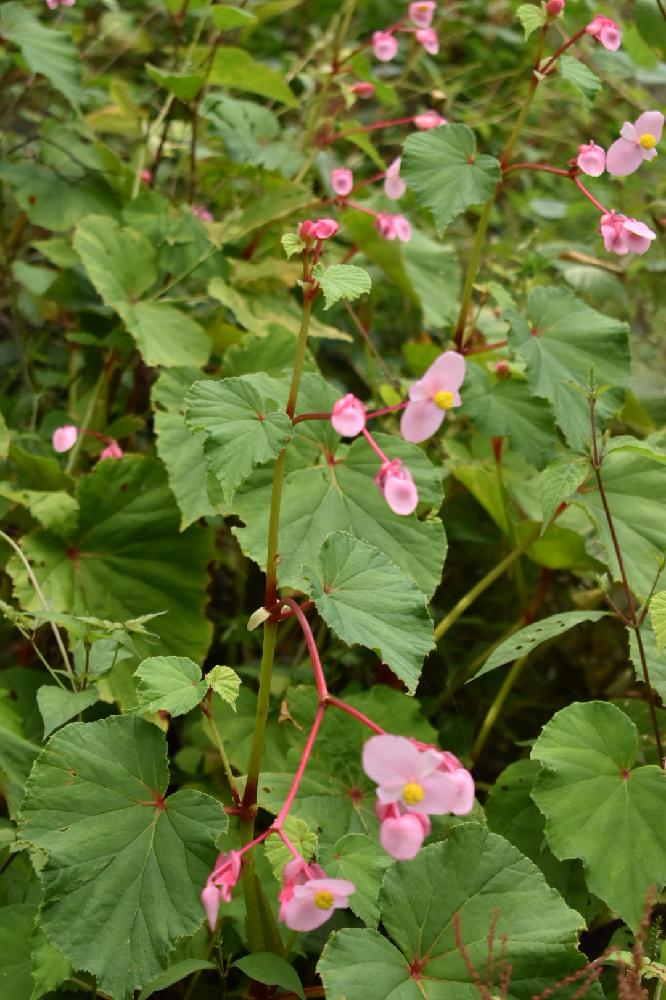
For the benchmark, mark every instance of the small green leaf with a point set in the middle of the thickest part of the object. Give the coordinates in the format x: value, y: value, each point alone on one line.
x: 45, y: 50
x: 599, y: 807
x: 655, y: 659
x: 658, y: 618
x: 184, y: 86
x: 292, y: 243
x: 237, y: 69
x: 445, y: 172
x: 58, y: 706
x: 530, y: 637
x: 366, y: 599
x: 302, y: 837
x: 225, y: 17
x: 225, y: 682
x: 581, y: 78
x: 265, y: 967
x: 342, y: 281
x: 364, y: 862
x: 174, y: 974
x: 559, y: 480
x: 166, y: 335
x: 170, y: 684
x: 120, y: 262
x: 531, y: 17
x: 509, y: 409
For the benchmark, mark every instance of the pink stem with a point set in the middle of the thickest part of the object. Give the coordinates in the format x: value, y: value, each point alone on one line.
x: 255, y: 842
x: 320, y: 680
x: 487, y: 347
x: 305, y: 756
x: 311, y: 416
x: 362, y: 208
x: 590, y: 197
x: 544, y: 167
x: 288, y: 844
x: 373, y: 444
x: 354, y: 712
x: 387, y: 409
x: 548, y: 65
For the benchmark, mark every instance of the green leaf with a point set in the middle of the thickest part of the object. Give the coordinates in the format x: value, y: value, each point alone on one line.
x: 45, y: 50
x: 475, y: 875
x: 559, y: 480
x: 650, y: 22
x: 658, y: 618
x: 364, y: 862
x: 265, y: 967
x: 226, y: 17
x: 124, y: 865
x: 364, y: 598
x: 170, y: 684
x: 302, y: 837
x: 599, y: 807
x: 581, y: 78
x: 4, y: 438
x: 563, y: 340
x: 226, y: 683
x: 16, y: 926
x: 508, y: 409
x: 342, y: 281
x: 531, y: 17
x: 529, y: 638
x: 434, y: 272
x: 182, y: 452
x: 175, y: 973
x: 656, y: 660
x: 243, y: 429
x: 165, y: 335
x: 58, y: 706
x: 16, y: 757
x: 126, y: 557
x: 292, y: 243
x: 54, y: 509
x: 445, y: 172
x: 184, y: 86
x: 237, y: 69
x: 120, y: 262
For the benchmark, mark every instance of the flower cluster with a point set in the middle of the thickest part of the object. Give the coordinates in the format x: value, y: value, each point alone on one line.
x: 64, y: 438
x: 385, y: 44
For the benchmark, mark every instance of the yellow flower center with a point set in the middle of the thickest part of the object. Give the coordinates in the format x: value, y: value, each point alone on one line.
x: 443, y: 399
x: 647, y: 141
x: 323, y: 899
x: 412, y: 793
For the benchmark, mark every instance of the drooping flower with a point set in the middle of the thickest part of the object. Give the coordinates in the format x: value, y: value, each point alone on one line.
x: 342, y: 180
x: 412, y: 777
x: 605, y: 31
x: 554, y: 8
x: 622, y: 235
x: 421, y: 14
x: 308, y: 898
x: 318, y: 229
x: 429, y: 119
x: 54, y: 4
x: 202, y: 213
x: 348, y: 416
x: 427, y: 37
x: 401, y: 834
x: 394, y: 227
x: 399, y: 489
x: 64, y: 438
x: 591, y: 159
x: 430, y: 398
x: 219, y: 884
x: 384, y: 45
x: 394, y: 186
x: 112, y: 450
x: 636, y: 143
x: 363, y: 89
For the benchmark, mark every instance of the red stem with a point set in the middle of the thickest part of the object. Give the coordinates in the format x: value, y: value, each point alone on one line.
x: 590, y: 197
x: 373, y: 444
x: 544, y: 167
x: 384, y: 123
x: 354, y: 712
x: 320, y: 680
x: 310, y: 416
x: 548, y: 65
x: 305, y: 756
x: 387, y: 409
x: 486, y: 347
x: 362, y: 208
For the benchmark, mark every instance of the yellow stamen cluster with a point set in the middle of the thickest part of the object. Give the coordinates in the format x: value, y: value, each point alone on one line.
x: 412, y: 793
x: 647, y: 141
x: 443, y: 399
x: 323, y: 899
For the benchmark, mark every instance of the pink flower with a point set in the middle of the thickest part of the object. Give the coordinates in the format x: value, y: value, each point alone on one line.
x: 393, y: 227
x: 112, y: 450
x: 429, y: 398
x: 591, y: 159
x: 554, y: 8
x: 146, y: 177
x: 606, y: 31
x: 307, y: 902
x: 219, y: 884
x: 318, y: 229
x: 427, y: 120
x: 411, y: 777
x: 421, y: 14
x: 384, y: 45
x: 348, y: 416
x: 53, y: 4
x: 401, y: 834
x: 342, y: 180
x: 427, y: 37
x: 363, y: 89
x: 202, y: 213
x: 399, y: 489
x: 64, y: 438
x: 622, y: 235
x: 637, y: 143
x: 394, y: 186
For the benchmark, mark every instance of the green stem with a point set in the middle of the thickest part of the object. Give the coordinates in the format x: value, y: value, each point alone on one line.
x: 219, y: 746
x: 471, y: 595
x: 493, y: 712
x: 300, y: 352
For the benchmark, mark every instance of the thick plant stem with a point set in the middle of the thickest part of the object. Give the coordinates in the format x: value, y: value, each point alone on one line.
x: 490, y: 577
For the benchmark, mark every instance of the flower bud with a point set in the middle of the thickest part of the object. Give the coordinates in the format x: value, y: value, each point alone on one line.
x: 342, y: 181
x: 64, y: 438
x: 427, y: 37
x: 591, y: 159
x: 427, y: 120
x: 384, y: 46
x: 554, y: 8
x: 348, y: 416
x: 363, y: 89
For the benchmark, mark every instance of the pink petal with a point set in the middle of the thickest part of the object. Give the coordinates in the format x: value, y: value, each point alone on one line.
x: 303, y: 914
x: 638, y: 236
x: 651, y: 122
x: 210, y: 899
x: 342, y: 180
x: 420, y: 421
x: 421, y: 13
x: 64, y: 438
x: 401, y: 494
x: 341, y: 888
x: 446, y: 372
x: 388, y: 759
x: 402, y: 837
x: 394, y: 186
x: 442, y: 794
x: 623, y: 158
x: 628, y: 132
x: 348, y: 416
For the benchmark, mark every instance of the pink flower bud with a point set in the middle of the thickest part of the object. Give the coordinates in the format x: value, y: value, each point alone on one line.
x: 554, y: 8
x: 605, y: 31
x: 146, y: 177
x: 591, y: 159
x: 384, y: 45
x: 427, y: 37
x: 428, y: 120
x: 402, y: 836
x: 622, y: 235
x: 394, y: 227
x: 348, y: 416
x: 394, y: 186
x: 502, y: 369
x: 211, y: 897
x: 398, y: 487
x: 363, y: 89
x: 323, y: 229
x: 64, y: 438
x: 53, y: 4
x: 342, y: 180
x: 305, y: 230
x: 421, y: 14
x: 202, y: 213
x: 112, y: 450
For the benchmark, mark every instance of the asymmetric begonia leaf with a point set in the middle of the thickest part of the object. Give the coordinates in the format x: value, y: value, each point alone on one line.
x: 126, y: 557
x: 226, y: 683
x: 445, y: 172
x: 474, y: 877
x: 364, y: 862
x: 342, y: 281
x: 531, y: 17
x: 581, y: 78
x: 301, y: 836
x: 365, y: 598
x: 236, y: 68
x: 120, y: 262
x: 44, y: 49
x: 124, y: 864
x: 165, y: 335
x: 266, y: 967
x: 58, y: 705
x: 509, y: 409
x: 172, y: 684
x: 599, y: 807
x: 559, y: 480
x: 563, y: 341
x: 16, y: 925
x: 185, y: 86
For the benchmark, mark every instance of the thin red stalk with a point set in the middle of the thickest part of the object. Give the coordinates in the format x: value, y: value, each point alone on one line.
x: 387, y: 409
x: 385, y: 123
x: 311, y: 416
x: 486, y: 347
x: 590, y: 197
x: 287, y: 843
x: 542, y: 167
x: 362, y: 208
x: 320, y: 680
x: 354, y: 712
x: 549, y: 63
x: 303, y: 763
x: 373, y: 444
